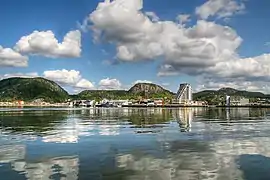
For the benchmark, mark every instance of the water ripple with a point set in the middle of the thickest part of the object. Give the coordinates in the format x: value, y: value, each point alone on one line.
x: 129, y: 143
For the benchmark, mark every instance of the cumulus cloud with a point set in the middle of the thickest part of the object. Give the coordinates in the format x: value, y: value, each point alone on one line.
x: 11, y: 58
x: 110, y: 84
x: 44, y: 43
x: 122, y: 23
x: 206, y: 49
x: 84, y: 84
x: 220, y: 8
x: 251, y: 74
x: 71, y: 78
x: 138, y: 38
x: 252, y: 68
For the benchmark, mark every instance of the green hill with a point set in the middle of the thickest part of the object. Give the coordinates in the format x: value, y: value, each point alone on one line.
x: 214, y: 96
x: 29, y: 89
x: 101, y: 94
x: 146, y: 90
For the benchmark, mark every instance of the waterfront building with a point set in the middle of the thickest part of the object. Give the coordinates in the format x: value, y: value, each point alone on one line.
x: 184, y: 94
x: 236, y: 101
x: 228, y: 100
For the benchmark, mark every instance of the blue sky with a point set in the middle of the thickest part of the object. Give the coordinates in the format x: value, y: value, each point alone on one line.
x: 97, y: 61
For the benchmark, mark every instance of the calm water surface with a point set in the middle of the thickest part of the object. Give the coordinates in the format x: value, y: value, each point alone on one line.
x: 135, y: 144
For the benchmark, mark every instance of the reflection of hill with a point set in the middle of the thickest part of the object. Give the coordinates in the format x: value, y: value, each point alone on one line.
x: 34, y: 122
x: 136, y: 116
x: 144, y: 117
x: 232, y: 113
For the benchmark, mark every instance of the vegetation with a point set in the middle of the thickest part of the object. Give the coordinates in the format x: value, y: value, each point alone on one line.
x: 218, y: 97
x: 35, y: 122
x: 29, y: 89
x: 138, y: 91
x: 101, y: 94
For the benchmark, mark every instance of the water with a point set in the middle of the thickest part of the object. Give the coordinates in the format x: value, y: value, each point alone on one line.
x: 135, y: 144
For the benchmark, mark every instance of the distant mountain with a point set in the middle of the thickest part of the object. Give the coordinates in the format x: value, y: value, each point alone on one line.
x: 146, y: 90
x: 230, y: 92
x: 29, y: 89
x: 213, y: 95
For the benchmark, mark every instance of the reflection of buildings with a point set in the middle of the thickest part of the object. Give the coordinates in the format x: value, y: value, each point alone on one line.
x: 184, y: 94
x: 211, y: 153
x: 67, y: 167
x: 184, y: 118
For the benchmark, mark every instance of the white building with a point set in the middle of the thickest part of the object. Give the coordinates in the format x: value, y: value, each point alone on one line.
x: 184, y: 94
x: 228, y: 100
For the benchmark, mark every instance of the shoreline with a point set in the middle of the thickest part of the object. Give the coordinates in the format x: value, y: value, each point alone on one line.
x: 133, y: 106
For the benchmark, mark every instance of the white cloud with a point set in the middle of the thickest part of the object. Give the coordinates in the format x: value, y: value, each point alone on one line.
x: 207, y: 49
x: 142, y: 81
x: 167, y: 70
x: 25, y: 75
x: 183, y: 18
x: 220, y: 8
x: 71, y: 78
x: 84, y: 84
x: 110, y: 84
x: 138, y: 38
x: 11, y: 58
x: 44, y: 43
x: 67, y: 77
x: 215, y: 84
x: 267, y: 43
x: 133, y: 32
x: 247, y: 69
x: 152, y: 16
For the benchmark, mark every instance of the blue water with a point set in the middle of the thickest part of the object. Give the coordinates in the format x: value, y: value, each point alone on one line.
x: 126, y: 143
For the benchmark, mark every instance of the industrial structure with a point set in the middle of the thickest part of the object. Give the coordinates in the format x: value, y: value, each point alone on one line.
x: 184, y: 94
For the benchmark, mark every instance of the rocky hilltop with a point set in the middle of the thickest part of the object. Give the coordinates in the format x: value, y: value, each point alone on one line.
x: 29, y: 89
x: 150, y: 88
x: 135, y: 92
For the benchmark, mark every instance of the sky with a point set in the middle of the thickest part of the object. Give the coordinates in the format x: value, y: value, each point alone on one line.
x: 113, y: 44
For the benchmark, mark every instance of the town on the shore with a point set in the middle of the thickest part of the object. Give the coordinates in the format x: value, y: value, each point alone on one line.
x: 183, y: 98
